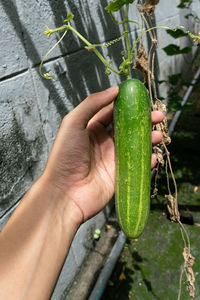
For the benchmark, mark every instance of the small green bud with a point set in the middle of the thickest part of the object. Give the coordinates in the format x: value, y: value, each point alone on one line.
x: 48, y: 31
x: 107, y: 72
x: 48, y: 76
x: 98, y: 231
x: 70, y: 16
x: 96, y: 236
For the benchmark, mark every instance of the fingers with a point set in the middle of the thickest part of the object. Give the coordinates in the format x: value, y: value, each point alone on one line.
x: 104, y: 116
x: 153, y: 160
x: 98, y: 107
x: 156, y: 137
x: 157, y: 116
x: 93, y: 104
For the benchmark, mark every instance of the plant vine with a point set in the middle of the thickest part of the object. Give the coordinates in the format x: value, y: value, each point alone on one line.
x: 127, y: 58
x: 145, y: 64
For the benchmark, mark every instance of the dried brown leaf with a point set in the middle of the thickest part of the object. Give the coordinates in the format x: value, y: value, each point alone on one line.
x: 189, y: 261
x: 142, y: 62
x: 172, y: 208
x: 159, y: 153
x: 149, y: 6
x: 155, y: 193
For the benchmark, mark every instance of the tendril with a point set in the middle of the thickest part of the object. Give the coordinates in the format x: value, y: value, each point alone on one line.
x: 47, y: 75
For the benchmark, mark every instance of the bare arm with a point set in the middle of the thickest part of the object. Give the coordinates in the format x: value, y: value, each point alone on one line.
x: 77, y: 183
x: 34, y: 243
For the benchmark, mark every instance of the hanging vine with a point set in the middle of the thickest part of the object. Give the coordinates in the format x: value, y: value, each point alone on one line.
x: 146, y: 64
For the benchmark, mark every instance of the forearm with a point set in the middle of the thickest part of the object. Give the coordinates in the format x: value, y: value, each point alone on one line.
x: 35, y: 242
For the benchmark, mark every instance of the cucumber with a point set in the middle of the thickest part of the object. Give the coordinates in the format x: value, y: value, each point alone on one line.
x: 132, y: 127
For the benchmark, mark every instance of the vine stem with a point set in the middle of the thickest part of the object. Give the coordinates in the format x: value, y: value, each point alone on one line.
x: 149, y: 30
x: 89, y: 45
x: 127, y: 39
x: 151, y: 80
x: 45, y: 75
x: 122, y: 22
x: 172, y: 173
x: 100, y: 56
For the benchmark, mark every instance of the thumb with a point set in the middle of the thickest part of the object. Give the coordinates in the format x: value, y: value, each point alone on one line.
x: 91, y: 105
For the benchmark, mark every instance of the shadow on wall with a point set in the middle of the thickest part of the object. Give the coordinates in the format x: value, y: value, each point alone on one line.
x: 85, y: 73
x: 82, y: 72
x: 11, y: 11
x: 75, y: 79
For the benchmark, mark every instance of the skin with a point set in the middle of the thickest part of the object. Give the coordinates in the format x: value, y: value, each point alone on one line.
x: 77, y: 183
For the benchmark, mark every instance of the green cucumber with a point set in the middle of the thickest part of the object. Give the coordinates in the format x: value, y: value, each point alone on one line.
x: 132, y: 127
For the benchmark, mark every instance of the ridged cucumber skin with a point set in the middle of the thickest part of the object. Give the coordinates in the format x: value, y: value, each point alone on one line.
x: 132, y: 127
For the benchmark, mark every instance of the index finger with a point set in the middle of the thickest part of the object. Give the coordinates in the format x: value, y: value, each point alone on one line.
x: 84, y: 112
x: 104, y: 116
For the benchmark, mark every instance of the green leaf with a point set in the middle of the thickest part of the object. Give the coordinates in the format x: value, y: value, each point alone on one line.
x: 176, y: 33
x: 175, y: 106
x: 185, y: 50
x: 196, y: 18
x: 172, y: 49
x: 183, y: 3
x: 175, y: 102
x: 116, y: 5
x: 189, y: 15
x: 188, y: 106
x: 161, y: 81
x: 174, y: 79
x: 175, y: 50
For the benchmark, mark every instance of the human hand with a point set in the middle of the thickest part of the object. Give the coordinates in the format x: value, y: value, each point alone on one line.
x: 81, y: 165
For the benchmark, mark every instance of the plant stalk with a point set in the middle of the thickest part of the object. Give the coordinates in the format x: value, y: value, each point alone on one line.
x: 100, y: 56
x: 127, y: 39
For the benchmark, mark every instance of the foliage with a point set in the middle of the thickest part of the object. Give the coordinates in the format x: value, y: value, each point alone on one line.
x: 195, y: 17
x: 185, y: 4
x: 128, y: 56
x: 173, y: 49
x: 175, y: 83
x: 116, y: 5
x: 146, y: 63
x: 176, y: 34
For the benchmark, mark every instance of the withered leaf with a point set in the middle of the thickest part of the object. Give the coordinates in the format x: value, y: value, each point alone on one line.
x: 149, y: 7
x: 142, y: 62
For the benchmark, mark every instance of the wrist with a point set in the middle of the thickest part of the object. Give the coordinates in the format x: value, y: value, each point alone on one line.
x: 65, y: 208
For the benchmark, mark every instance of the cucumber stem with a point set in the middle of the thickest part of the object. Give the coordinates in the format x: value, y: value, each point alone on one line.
x: 126, y: 34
